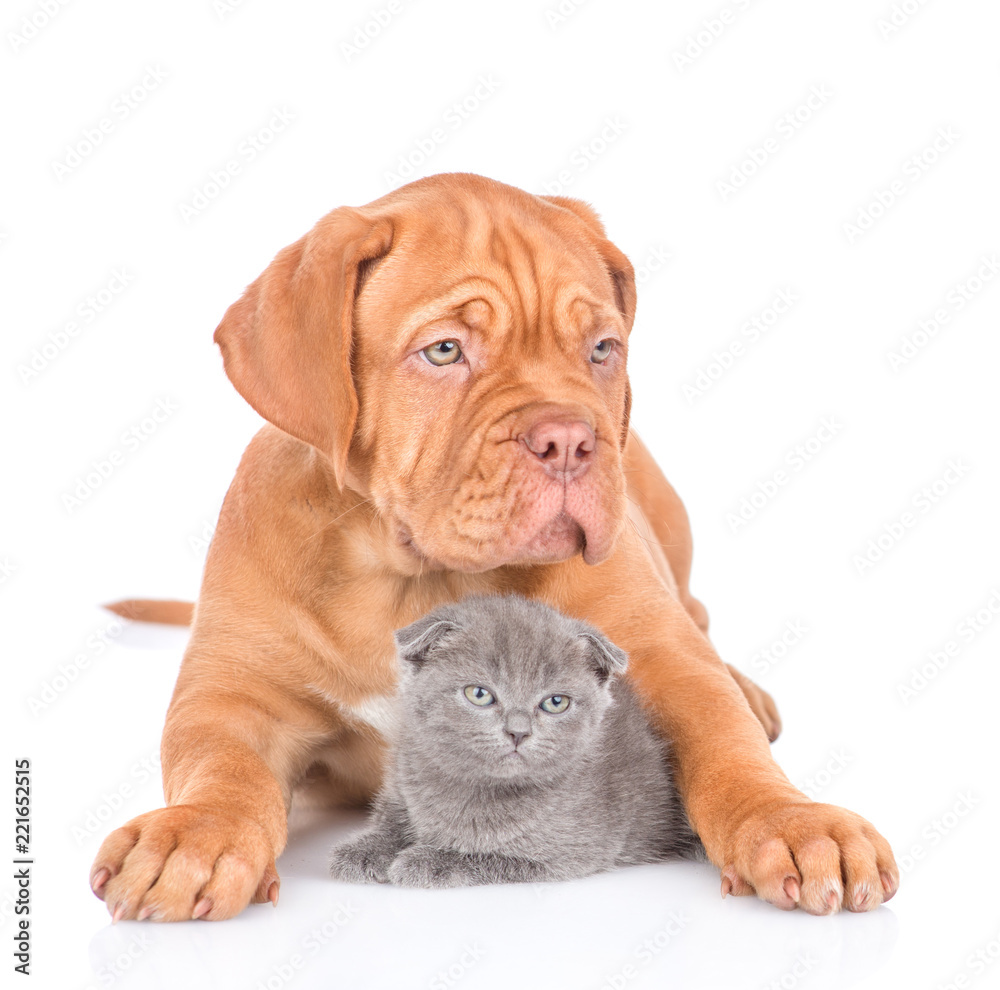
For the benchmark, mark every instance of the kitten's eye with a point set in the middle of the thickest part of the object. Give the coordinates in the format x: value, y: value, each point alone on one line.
x: 479, y: 695
x: 602, y: 351
x: 555, y: 704
x: 443, y: 352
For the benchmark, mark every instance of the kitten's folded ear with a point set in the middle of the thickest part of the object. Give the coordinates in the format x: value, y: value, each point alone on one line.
x: 605, y: 658
x: 416, y: 640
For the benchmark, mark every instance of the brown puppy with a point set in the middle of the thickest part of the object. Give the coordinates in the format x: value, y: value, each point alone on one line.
x: 445, y: 372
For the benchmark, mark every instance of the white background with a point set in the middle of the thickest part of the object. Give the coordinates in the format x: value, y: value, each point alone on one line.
x: 599, y: 99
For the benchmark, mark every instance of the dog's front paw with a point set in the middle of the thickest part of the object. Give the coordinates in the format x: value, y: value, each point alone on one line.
x: 814, y: 856
x: 184, y: 862
x: 425, y: 866
x: 361, y: 861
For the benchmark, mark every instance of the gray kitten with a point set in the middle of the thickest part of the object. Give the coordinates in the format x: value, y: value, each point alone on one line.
x: 521, y: 755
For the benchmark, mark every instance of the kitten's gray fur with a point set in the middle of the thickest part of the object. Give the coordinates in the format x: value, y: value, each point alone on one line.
x: 465, y: 802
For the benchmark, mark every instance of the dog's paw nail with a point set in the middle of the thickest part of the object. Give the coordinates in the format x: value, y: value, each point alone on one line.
x: 118, y: 913
x: 833, y: 900
x: 100, y: 879
x: 792, y: 889
x: 201, y: 908
x: 145, y: 913
x: 272, y: 893
x: 727, y: 887
x: 888, y: 885
x: 862, y: 897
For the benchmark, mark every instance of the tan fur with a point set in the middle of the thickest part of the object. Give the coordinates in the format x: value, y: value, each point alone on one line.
x: 388, y: 486
x: 171, y: 613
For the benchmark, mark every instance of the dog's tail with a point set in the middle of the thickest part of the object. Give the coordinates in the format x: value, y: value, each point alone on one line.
x: 173, y: 613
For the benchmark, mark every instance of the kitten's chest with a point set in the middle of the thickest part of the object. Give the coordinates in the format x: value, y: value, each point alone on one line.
x: 519, y: 825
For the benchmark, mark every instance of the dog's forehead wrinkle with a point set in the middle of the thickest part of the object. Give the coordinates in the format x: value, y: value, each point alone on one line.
x: 478, y: 312
x: 521, y: 263
x: 525, y: 282
x: 476, y: 309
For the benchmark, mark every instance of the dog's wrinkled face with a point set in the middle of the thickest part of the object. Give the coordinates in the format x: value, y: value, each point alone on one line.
x: 488, y: 391
x: 493, y: 397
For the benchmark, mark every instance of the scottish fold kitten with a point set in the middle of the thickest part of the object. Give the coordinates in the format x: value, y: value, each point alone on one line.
x: 521, y: 755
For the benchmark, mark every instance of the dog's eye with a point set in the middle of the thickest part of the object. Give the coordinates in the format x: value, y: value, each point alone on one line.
x: 443, y: 352
x: 602, y: 351
x: 479, y: 695
x: 555, y: 704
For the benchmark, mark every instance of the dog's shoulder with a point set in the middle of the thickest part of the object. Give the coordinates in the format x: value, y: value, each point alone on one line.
x: 281, y: 475
x: 283, y: 496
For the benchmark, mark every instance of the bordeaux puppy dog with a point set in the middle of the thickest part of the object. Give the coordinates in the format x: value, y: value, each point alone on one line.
x: 521, y: 755
x: 443, y: 372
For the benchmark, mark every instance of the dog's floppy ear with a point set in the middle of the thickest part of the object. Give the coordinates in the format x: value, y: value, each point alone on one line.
x: 287, y: 342
x: 621, y: 273
x: 618, y: 266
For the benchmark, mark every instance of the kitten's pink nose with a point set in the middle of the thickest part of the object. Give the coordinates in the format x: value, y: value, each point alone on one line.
x: 518, y: 727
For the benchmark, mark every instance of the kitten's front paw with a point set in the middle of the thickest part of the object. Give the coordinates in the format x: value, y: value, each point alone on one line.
x: 425, y: 866
x: 360, y: 862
